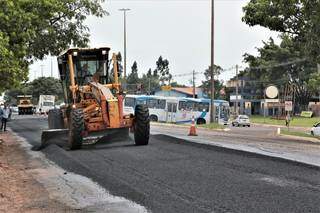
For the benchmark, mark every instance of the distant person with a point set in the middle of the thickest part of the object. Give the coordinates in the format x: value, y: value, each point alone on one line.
x: 287, y: 119
x: 1, y: 113
x: 5, y: 116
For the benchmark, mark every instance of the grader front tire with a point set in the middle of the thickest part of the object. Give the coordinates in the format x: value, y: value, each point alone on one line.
x: 141, y: 125
x: 76, y: 129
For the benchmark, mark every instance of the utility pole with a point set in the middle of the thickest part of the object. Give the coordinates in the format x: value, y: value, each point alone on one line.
x: 193, y: 84
x: 51, y: 68
x: 213, y: 109
x: 149, y: 85
x: 318, y: 66
x: 41, y: 69
x: 237, y: 88
x: 124, y: 10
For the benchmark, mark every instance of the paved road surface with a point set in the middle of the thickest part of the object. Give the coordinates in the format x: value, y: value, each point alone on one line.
x: 171, y: 175
x: 257, y: 139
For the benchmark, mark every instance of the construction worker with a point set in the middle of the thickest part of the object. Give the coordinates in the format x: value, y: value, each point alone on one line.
x: 5, y: 117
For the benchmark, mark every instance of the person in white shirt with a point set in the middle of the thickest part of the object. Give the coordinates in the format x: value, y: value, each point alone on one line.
x: 5, y: 116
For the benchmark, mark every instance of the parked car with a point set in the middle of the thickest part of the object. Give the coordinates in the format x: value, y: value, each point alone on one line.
x: 241, y: 120
x: 315, y: 130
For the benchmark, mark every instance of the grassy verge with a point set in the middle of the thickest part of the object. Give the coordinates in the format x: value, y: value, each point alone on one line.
x: 295, y: 121
x: 296, y: 133
x: 213, y: 126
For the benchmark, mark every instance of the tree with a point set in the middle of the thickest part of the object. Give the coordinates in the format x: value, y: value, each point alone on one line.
x: 133, y: 77
x: 163, y: 71
x: 150, y: 82
x: 39, y: 86
x: 32, y: 29
x: 206, y: 84
x: 282, y: 65
x: 298, y: 19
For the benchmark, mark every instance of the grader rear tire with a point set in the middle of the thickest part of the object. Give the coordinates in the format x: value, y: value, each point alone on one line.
x: 141, y: 125
x: 76, y: 129
x: 55, y: 119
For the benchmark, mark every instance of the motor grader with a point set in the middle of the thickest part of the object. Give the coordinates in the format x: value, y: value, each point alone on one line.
x: 93, y: 104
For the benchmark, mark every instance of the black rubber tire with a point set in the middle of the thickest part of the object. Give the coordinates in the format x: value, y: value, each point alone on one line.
x: 55, y: 119
x: 141, y: 125
x: 201, y: 121
x: 76, y: 128
x: 153, y: 118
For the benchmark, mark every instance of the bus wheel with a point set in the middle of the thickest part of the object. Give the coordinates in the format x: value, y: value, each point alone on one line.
x: 153, y: 118
x: 201, y: 121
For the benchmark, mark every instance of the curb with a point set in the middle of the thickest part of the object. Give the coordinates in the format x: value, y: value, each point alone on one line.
x: 314, y: 140
x: 280, y: 126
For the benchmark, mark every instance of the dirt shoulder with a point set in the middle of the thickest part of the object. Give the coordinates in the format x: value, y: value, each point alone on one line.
x: 19, y: 190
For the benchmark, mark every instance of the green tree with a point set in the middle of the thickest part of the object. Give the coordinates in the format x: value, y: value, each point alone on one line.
x: 46, y: 86
x: 150, y: 82
x: 206, y: 84
x: 163, y: 71
x: 32, y: 29
x: 282, y: 65
x: 298, y: 19
x: 133, y: 77
x: 39, y: 86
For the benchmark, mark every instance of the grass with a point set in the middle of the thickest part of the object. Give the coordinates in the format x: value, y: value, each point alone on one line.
x: 213, y: 126
x: 296, y: 133
x: 295, y: 121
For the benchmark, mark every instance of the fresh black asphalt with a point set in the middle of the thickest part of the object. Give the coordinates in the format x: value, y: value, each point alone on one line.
x: 172, y: 175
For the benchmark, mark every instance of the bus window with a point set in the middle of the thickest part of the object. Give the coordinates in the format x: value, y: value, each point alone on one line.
x: 129, y: 102
x: 189, y: 105
x: 152, y: 103
x: 161, y: 104
x: 141, y: 102
x: 203, y: 107
x: 182, y: 105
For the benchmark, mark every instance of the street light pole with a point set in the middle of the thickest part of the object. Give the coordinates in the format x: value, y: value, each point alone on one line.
x: 213, y: 109
x: 124, y: 10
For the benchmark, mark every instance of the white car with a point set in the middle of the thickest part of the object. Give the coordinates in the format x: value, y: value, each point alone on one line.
x: 315, y: 130
x: 241, y: 120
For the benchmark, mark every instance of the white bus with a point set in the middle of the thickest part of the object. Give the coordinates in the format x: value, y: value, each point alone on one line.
x: 178, y: 110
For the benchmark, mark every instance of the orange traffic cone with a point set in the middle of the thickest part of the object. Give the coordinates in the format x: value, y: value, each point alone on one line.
x: 192, y: 131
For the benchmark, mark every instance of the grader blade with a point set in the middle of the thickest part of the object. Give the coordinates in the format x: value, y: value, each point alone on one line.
x: 58, y: 137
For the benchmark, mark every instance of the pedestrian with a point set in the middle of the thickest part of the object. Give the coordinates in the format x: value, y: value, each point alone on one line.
x: 5, y: 116
x: 1, y: 113
x: 287, y: 119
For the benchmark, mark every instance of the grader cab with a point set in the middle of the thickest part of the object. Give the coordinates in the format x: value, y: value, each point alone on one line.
x: 93, y: 102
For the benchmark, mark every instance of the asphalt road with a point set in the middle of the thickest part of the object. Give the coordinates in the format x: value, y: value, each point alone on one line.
x: 172, y: 175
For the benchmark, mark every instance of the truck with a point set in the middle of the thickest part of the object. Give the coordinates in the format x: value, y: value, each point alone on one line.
x: 46, y: 102
x: 25, y: 106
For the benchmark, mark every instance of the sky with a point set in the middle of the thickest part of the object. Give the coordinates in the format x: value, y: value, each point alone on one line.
x: 178, y: 30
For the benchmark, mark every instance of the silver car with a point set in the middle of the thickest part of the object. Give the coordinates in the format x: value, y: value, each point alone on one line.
x: 241, y: 120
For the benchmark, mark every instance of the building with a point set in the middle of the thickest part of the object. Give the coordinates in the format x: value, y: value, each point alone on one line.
x: 186, y: 92
x: 251, y: 99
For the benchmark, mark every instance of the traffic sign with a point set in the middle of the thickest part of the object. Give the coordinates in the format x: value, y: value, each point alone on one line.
x: 271, y: 92
x: 288, y: 105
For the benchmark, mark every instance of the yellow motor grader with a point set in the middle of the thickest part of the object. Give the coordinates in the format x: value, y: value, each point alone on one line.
x: 93, y: 105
